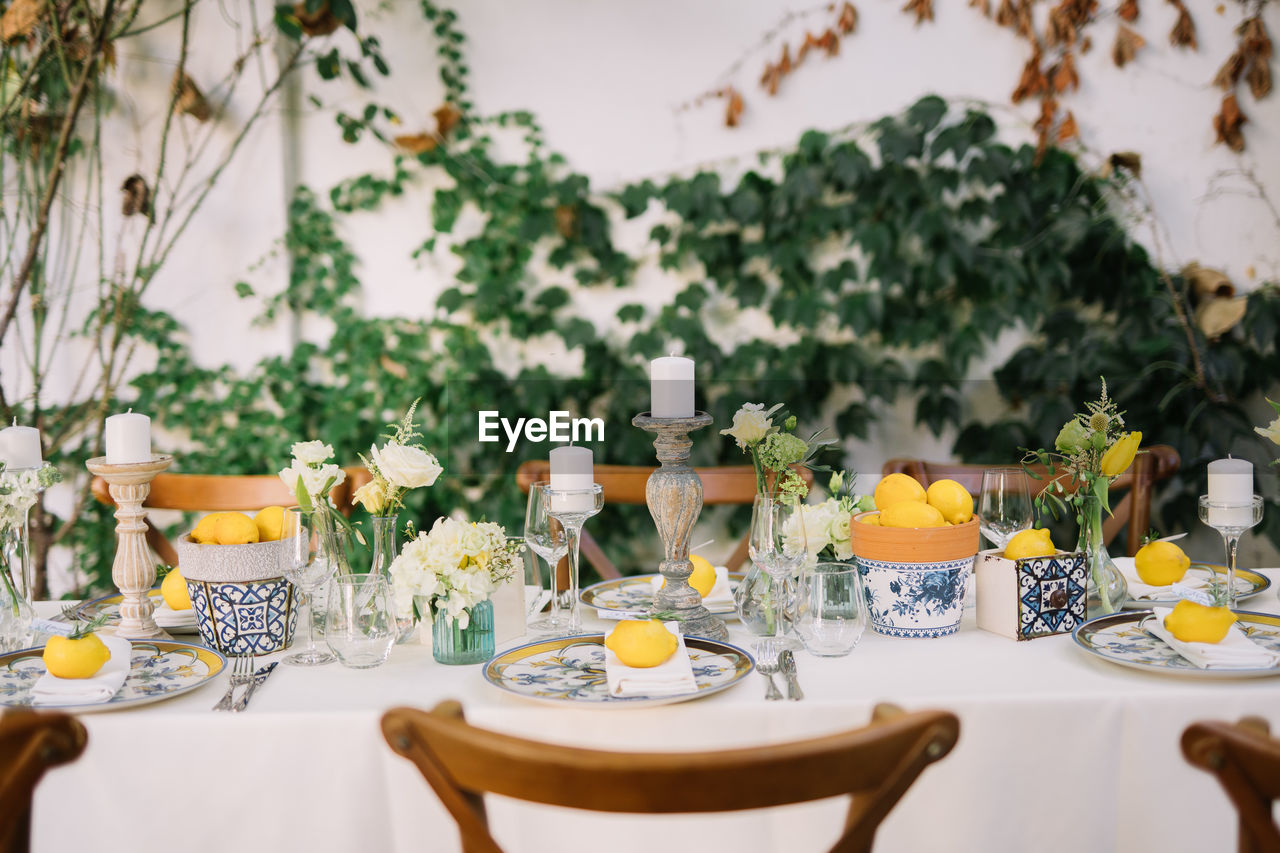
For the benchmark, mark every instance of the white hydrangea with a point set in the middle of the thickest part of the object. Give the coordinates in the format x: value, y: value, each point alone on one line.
x: 455, y: 566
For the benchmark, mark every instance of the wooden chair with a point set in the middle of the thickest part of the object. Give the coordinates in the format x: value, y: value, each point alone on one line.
x: 222, y: 493
x: 875, y: 765
x: 30, y: 744
x: 1246, y: 761
x: 625, y: 484
x: 1153, y: 465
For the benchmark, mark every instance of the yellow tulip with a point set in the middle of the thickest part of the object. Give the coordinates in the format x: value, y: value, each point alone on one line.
x: 1120, y: 456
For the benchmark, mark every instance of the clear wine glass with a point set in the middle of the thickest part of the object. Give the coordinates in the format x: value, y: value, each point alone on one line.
x: 779, y: 547
x: 545, y: 536
x: 306, y: 561
x: 571, y: 508
x: 1004, y: 505
x: 1231, y: 520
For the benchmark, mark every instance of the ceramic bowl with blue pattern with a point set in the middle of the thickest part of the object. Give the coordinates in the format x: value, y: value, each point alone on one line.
x: 243, y: 604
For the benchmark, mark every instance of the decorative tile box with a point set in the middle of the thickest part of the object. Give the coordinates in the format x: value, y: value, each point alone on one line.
x: 1035, y: 597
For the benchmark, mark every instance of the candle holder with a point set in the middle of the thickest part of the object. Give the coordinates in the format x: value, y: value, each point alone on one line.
x: 134, y: 568
x: 1231, y: 520
x: 674, y: 497
x: 571, y: 508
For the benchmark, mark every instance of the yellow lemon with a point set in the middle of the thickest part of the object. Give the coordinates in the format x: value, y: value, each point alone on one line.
x: 203, y: 532
x: 270, y: 523
x: 1196, y: 623
x: 81, y: 657
x: 642, y: 642
x: 1026, y: 544
x: 873, y: 519
x: 704, y: 575
x: 952, y: 500
x: 1161, y: 563
x: 895, y: 489
x: 235, y: 528
x: 174, y: 590
x: 911, y: 514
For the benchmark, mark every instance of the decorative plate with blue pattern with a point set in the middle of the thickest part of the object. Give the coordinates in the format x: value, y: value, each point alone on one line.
x: 571, y: 670
x: 159, y: 669
x: 634, y: 594
x: 110, y: 605
x: 1120, y: 638
x: 1247, y: 584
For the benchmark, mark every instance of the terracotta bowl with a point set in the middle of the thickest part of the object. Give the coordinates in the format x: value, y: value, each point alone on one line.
x: 243, y: 603
x: 913, y: 544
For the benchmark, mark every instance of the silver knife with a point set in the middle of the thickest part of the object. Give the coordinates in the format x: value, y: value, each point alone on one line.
x: 258, y: 677
x: 788, y: 662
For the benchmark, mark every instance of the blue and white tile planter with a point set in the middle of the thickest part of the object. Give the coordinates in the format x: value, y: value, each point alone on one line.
x: 243, y: 605
x: 915, y: 599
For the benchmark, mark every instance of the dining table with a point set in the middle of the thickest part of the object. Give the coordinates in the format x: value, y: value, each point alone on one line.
x: 1059, y: 750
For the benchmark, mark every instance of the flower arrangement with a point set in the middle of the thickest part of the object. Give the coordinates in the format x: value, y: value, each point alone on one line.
x: 455, y: 566
x: 775, y: 449
x: 311, y: 475
x: 1271, y: 430
x: 19, y: 490
x: 1091, y: 450
x: 826, y: 524
x: 400, y: 465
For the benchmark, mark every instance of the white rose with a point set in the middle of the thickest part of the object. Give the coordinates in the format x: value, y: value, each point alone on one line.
x: 1271, y: 431
x: 406, y: 467
x: 372, y: 495
x: 318, y: 481
x: 311, y: 452
x: 750, y: 424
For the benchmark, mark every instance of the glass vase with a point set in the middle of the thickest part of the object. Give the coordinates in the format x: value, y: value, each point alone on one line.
x: 1107, y: 590
x: 754, y: 602
x: 386, y: 547
x: 16, y: 612
x: 451, y: 644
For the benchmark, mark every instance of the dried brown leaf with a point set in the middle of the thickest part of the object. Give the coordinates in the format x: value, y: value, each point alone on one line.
x: 1130, y: 161
x: 830, y: 42
x: 1033, y: 80
x: 1061, y: 29
x: 137, y: 196
x: 566, y: 220
x: 20, y: 19
x: 1064, y: 74
x: 1086, y: 45
x: 922, y: 9
x: 321, y: 22
x: 1048, y: 114
x: 1006, y: 14
x: 415, y: 143
x: 1126, y: 46
x: 733, y: 108
x: 189, y: 100
x: 1229, y: 74
x: 1128, y: 10
x: 848, y: 20
x: 784, y: 64
x: 771, y: 77
x: 1184, y: 31
x: 1207, y: 282
x: 1068, y: 130
x: 447, y: 117
x: 810, y: 41
x: 1254, y: 41
x: 1227, y: 124
x: 983, y: 6
x: 1025, y: 23
x: 1259, y: 78
x: 1215, y: 317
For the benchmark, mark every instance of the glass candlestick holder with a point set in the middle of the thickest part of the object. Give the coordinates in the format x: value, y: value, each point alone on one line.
x: 571, y: 508
x: 1231, y: 520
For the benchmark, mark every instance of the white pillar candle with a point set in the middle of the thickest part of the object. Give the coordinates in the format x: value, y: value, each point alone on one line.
x: 1231, y: 493
x: 20, y: 447
x: 128, y: 438
x: 572, y: 470
x: 671, y: 387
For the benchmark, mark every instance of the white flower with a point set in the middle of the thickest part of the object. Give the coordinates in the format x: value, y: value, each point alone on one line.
x: 456, y: 565
x: 1272, y: 431
x: 372, y: 495
x: 750, y: 424
x: 316, y: 481
x: 406, y: 467
x: 311, y: 452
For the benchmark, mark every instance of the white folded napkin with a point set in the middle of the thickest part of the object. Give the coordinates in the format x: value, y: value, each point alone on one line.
x: 720, y: 590
x: 51, y: 690
x: 1235, y: 651
x: 671, y: 677
x: 1191, y: 586
x: 167, y: 617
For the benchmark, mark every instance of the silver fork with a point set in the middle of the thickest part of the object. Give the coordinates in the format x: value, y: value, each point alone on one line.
x: 70, y: 613
x: 241, y: 675
x: 767, y: 663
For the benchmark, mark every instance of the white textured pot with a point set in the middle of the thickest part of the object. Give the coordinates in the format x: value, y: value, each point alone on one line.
x: 242, y: 601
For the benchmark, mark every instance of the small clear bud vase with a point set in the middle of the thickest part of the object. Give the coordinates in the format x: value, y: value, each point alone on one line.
x: 16, y: 612
x: 386, y: 547
x: 1108, y: 590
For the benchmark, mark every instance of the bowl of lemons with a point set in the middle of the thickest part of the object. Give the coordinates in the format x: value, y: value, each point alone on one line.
x: 915, y: 552
x: 231, y: 564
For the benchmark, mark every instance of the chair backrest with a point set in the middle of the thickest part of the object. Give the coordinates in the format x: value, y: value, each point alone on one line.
x: 221, y: 493
x: 1246, y: 761
x: 1154, y: 464
x: 30, y: 743
x: 876, y: 764
x: 625, y: 484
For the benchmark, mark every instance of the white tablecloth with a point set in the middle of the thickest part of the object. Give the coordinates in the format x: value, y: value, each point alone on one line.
x: 1058, y: 751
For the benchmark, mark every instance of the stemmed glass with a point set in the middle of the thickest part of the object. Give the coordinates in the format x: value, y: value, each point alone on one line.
x: 570, y: 509
x: 779, y: 547
x: 306, y: 562
x: 1231, y: 520
x: 1004, y: 505
x: 545, y: 537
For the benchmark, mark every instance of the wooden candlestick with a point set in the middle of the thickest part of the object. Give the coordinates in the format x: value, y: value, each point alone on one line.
x: 674, y: 496
x: 134, y: 568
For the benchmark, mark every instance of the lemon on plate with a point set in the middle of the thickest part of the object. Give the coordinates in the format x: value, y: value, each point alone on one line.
x: 79, y: 655
x: 1161, y: 563
x: 1199, y: 623
x: 642, y: 643
x: 173, y: 589
x: 1026, y: 544
x: 896, y: 489
x: 952, y: 500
